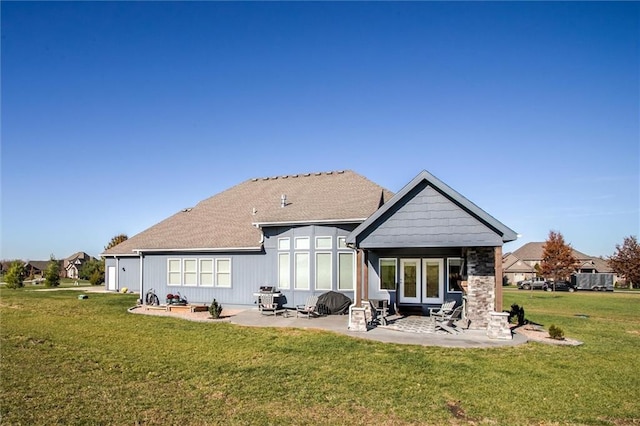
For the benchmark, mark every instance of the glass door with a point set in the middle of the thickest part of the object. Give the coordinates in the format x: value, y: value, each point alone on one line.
x: 409, y: 280
x: 433, y: 280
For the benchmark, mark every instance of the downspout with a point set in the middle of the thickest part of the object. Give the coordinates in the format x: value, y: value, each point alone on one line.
x: 142, y: 298
x: 117, y: 277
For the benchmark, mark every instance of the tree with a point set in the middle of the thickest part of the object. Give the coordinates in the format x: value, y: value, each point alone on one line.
x: 15, y: 274
x: 557, y: 258
x: 92, y: 270
x: 116, y: 240
x: 626, y: 261
x: 52, y: 274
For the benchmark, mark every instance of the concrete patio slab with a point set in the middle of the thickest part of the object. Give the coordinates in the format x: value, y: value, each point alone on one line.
x: 251, y: 317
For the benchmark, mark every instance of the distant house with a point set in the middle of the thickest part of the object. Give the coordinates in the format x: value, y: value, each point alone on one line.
x: 311, y: 233
x: 72, y: 264
x: 521, y: 264
x: 36, y: 268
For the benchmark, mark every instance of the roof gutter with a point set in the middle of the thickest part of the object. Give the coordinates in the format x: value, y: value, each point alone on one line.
x: 203, y: 249
x: 309, y: 222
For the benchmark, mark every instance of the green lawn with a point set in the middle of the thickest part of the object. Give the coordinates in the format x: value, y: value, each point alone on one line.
x: 70, y: 361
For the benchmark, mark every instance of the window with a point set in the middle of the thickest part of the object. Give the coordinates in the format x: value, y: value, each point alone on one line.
x: 284, y: 244
x: 387, y: 274
x: 223, y: 272
x: 345, y: 271
x: 454, y: 274
x: 174, y: 271
x: 323, y: 271
x: 284, y: 279
x: 302, y: 271
x: 189, y: 273
x: 342, y: 242
x: 206, y: 272
x: 302, y: 243
x: 323, y: 243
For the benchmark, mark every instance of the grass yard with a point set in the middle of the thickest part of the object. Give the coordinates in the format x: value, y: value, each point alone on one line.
x: 70, y: 361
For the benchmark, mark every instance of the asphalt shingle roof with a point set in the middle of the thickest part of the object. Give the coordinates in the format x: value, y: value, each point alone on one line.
x: 227, y: 220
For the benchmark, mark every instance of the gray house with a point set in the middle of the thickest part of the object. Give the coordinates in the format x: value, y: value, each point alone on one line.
x: 311, y: 233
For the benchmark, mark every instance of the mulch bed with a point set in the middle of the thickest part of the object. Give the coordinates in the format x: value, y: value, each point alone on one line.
x: 536, y: 333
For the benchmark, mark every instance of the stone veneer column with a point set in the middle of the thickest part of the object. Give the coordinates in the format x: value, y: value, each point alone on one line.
x: 481, y: 280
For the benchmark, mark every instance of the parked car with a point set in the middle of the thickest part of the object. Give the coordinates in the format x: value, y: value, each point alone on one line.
x: 537, y: 283
x: 561, y: 286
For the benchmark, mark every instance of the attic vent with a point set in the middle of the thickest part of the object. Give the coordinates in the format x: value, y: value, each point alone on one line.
x: 329, y: 173
x: 254, y: 180
x: 340, y: 172
x: 188, y: 209
x: 254, y: 211
x: 283, y: 200
x: 318, y: 173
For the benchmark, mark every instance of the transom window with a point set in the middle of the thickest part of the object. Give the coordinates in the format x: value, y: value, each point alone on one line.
x: 302, y: 243
x: 323, y: 243
x: 284, y: 243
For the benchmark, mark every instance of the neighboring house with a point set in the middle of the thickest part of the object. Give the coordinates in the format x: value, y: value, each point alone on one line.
x: 72, y: 264
x: 312, y: 233
x: 521, y: 264
x: 36, y: 268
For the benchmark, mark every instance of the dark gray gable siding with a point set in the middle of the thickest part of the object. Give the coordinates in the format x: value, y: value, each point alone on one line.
x: 427, y: 218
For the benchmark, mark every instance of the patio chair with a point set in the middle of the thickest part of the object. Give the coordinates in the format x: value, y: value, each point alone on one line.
x: 379, y: 312
x: 310, y: 307
x: 447, y: 322
x: 444, y: 310
x: 269, y: 305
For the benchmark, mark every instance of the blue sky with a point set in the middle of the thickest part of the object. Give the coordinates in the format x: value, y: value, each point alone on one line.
x: 116, y: 115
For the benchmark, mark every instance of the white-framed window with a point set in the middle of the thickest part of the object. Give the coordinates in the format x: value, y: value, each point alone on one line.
x: 223, y: 272
x: 388, y: 269
x: 323, y: 243
x: 323, y: 271
x: 302, y: 271
x: 342, y: 242
x: 174, y: 272
x: 345, y: 271
x: 190, y: 272
x: 284, y: 243
x: 206, y: 272
x: 302, y: 243
x: 454, y: 274
x: 284, y: 270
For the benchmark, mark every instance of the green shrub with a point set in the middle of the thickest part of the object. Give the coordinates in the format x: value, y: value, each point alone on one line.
x: 516, y: 314
x: 52, y: 274
x: 15, y: 275
x: 215, y: 309
x: 556, y: 332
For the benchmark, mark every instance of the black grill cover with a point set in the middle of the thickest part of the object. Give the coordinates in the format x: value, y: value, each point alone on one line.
x: 333, y: 303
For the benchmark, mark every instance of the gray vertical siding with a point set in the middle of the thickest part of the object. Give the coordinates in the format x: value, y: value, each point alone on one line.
x: 298, y: 297
x: 249, y: 270
x: 128, y: 270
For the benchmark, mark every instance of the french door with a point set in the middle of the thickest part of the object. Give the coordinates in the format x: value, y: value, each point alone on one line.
x: 409, y: 280
x: 432, y: 280
x: 421, y: 281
